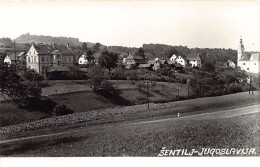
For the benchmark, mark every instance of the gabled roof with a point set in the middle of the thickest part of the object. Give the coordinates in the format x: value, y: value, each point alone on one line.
x: 170, y: 62
x: 12, y: 57
x: 177, y: 65
x: 151, y: 61
x: 255, y: 57
x: 21, y: 54
x: 163, y: 61
x: 43, y: 49
x: 144, y: 65
x: 230, y: 61
x: 58, y: 68
x: 47, y: 49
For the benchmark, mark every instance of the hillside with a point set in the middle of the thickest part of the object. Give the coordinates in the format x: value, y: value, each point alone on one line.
x: 27, y: 38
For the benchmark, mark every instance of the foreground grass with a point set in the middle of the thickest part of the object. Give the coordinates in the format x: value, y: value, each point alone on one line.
x: 145, y: 140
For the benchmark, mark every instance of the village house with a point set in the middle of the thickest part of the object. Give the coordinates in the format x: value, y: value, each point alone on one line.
x: 173, y: 57
x: 11, y: 59
x: 230, y: 64
x: 18, y: 58
x: 247, y: 62
x: 40, y: 57
x: 194, y: 60
x: 157, y: 63
x: 133, y: 60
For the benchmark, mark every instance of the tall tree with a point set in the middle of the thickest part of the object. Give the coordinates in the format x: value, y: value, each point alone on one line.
x: 19, y: 85
x: 169, y: 51
x: 84, y: 46
x: 140, y: 52
x: 108, y: 60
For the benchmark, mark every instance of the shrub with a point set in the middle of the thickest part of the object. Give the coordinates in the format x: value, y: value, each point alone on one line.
x: 61, y: 110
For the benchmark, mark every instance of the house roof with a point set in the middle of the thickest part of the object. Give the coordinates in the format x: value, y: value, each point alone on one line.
x: 255, y: 57
x: 170, y: 62
x: 151, y: 61
x: 191, y: 56
x: 230, y: 61
x: 12, y: 57
x: 43, y: 49
x: 47, y: 49
x: 163, y: 61
x: 177, y: 65
x: 144, y: 65
x: 21, y: 54
x: 58, y: 68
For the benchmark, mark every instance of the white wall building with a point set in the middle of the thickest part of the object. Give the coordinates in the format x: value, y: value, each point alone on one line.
x: 249, y: 63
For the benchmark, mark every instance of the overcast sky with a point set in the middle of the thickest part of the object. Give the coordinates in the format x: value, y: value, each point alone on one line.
x: 125, y: 23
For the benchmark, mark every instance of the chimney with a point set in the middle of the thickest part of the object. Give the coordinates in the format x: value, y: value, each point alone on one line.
x: 68, y: 45
x: 53, y: 45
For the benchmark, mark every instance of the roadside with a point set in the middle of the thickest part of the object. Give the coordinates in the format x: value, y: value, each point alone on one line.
x: 130, y: 113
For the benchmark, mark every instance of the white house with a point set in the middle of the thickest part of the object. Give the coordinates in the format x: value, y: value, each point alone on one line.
x: 193, y: 59
x: 173, y: 57
x: 230, y: 63
x: 180, y: 59
x: 247, y: 62
x: 40, y: 57
x: 83, y: 59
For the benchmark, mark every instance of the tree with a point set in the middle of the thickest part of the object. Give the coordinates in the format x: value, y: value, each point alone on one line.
x: 96, y: 75
x: 140, y: 52
x: 84, y: 46
x: 169, y: 51
x: 108, y: 60
x: 19, y: 85
x: 208, y: 66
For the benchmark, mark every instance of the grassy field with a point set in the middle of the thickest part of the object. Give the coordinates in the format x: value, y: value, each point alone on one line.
x: 79, y: 97
x: 119, y: 140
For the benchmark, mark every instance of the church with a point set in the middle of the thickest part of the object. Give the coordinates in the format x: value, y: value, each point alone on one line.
x: 248, y: 62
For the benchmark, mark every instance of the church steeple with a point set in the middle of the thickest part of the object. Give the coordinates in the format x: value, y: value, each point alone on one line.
x: 241, y: 50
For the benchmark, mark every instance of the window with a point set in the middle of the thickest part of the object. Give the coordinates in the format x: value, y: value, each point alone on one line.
x: 42, y: 59
x: 29, y: 60
x: 58, y: 56
x: 244, y: 63
x: 80, y: 61
x: 255, y: 63
x: 69, y: 59
x: 34, y: 59
x: 58, y: 63
x: 247, y: 68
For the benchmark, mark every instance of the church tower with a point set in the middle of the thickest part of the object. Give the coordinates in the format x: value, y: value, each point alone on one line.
x: 241, y: 50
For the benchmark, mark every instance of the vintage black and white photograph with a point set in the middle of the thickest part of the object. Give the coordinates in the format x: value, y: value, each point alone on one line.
x: 129, y: 78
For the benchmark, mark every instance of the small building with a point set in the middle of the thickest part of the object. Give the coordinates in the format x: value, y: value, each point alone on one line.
x: 173, y: 57
x: 189, y: 59
x: 230, y: 63
x: 11, y: 59
x: 133, y: 60
x: 247, y: 62
x: 145, y: 66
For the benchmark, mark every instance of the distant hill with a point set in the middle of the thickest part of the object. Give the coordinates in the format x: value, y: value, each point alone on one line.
x: 121, y: 49
x: 27, y: 38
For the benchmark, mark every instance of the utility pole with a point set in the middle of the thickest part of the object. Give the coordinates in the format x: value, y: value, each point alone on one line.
x: 147, y: 82
x: 188, y: 84
x: 178, y: 89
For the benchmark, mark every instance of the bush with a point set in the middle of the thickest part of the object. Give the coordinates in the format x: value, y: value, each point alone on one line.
x: 107, y: 90
x: 36, y: 104
x: 61, y: 110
